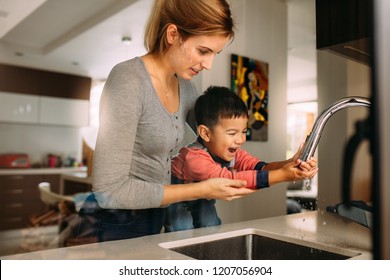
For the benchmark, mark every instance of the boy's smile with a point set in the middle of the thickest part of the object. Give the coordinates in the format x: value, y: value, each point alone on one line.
x: 227, y: 137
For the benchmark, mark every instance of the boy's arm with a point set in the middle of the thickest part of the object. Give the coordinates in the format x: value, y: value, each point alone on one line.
x: 246, y: 161
x: 276, y: 164
x: 198, y: 165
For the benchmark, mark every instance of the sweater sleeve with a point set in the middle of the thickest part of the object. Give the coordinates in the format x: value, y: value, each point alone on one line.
x: 245, y: 161
x: 198, y: 165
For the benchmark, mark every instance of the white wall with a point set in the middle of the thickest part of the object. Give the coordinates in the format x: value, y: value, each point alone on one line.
x: 359, y: 84
x: 339, y: 77
x: 262, y: 35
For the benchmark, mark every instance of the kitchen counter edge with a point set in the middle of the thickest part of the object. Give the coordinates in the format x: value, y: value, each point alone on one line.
x: 326, y: 229
x: 33, y: 171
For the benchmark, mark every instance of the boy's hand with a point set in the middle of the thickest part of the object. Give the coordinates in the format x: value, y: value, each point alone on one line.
x: 304, y: 169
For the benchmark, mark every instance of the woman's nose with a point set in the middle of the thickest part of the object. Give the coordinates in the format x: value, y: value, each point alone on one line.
x: 207, y: 63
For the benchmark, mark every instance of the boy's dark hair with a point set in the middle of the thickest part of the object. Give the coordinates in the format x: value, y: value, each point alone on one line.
x: 218, y: 103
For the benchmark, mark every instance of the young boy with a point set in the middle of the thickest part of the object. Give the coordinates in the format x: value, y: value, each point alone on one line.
x: 222, y: 118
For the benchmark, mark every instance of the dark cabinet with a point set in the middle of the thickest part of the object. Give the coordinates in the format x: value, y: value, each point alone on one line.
x: 72, y: 187
x: 43, y: 83
x: 345, y: 27
x: 20, y: 198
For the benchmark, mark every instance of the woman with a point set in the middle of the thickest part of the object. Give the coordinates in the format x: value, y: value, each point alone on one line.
x: 143, y: 109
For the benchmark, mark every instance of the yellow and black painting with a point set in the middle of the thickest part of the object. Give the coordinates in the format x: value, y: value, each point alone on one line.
x: 249, y: 80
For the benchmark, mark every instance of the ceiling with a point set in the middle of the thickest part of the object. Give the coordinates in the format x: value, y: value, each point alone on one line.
x: 82, y: 37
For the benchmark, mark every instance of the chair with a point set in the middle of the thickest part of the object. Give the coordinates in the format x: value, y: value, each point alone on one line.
x: 51, y: 198
x: 61, y: 211
x: 57, y: 207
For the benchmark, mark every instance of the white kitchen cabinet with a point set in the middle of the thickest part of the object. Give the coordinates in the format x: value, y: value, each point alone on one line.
x: 63, y: 111
x: 19, y: 108
x: 25, y: 108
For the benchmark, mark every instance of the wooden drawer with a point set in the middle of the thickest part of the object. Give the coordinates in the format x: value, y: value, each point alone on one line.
x: 16, y: 209
x: 17, y: 214
x: 13, y: 223
x: 10, y: 181
x: 19, y: 188
x: 25, y: 186
x: 20, y: 198
x: 19, y: 194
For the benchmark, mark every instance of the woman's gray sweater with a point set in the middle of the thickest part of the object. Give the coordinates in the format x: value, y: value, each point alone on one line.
x: 132, y: 159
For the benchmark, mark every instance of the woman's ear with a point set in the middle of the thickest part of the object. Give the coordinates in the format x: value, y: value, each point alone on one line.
x: 204, y: 132
x: 172, y: 33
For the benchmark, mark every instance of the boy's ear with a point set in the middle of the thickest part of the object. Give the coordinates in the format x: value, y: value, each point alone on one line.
x: 204, y: 132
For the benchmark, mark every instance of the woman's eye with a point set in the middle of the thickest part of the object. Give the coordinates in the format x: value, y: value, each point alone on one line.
x: 203, y: 52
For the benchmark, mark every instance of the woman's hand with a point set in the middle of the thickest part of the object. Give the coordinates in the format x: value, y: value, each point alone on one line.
x: 225, y: 189
x: 215, y: 188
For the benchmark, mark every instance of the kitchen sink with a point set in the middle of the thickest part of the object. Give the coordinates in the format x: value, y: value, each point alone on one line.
x: 251, y: 244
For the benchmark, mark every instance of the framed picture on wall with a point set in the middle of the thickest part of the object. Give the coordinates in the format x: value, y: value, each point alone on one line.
x: 249, y: 80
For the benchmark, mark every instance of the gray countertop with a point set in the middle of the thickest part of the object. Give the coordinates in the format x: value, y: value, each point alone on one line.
x: 33, y: 171
x: 324, y: 230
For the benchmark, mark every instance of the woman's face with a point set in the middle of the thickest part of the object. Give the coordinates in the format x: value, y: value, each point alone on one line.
x: 188, y: 58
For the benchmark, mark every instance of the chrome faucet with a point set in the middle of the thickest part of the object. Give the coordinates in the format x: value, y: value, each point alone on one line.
x: 314, y: 136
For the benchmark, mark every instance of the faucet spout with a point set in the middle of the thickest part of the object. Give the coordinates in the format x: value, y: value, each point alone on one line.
x: 314, y: 136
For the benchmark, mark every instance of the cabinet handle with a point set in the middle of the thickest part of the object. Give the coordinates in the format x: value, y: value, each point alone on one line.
x: 15, y: 191
x: 17, y: 177
x: 13, y: 220
x: 14, y: 205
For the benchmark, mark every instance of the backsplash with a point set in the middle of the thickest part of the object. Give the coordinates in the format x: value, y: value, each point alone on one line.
x: 38, y: 141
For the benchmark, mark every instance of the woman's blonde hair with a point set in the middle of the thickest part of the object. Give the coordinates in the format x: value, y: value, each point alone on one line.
x: 191, y: 17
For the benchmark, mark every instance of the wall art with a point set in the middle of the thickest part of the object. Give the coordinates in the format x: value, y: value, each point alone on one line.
x: 249, y: 80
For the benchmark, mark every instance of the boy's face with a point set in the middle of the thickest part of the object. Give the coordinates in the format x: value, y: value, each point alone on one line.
x: 226, y: 137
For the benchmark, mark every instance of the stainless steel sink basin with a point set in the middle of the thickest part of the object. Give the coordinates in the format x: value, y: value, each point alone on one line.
x: 251, y: 244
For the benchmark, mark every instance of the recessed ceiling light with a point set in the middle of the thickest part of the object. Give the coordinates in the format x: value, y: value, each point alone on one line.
x: 126, y: 40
